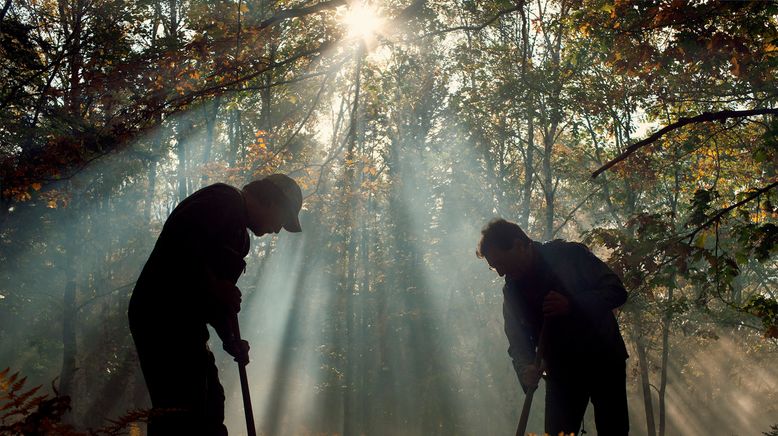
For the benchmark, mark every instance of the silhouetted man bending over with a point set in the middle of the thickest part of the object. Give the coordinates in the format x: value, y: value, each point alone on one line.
x: 188, y: 282
x: 564, y: 289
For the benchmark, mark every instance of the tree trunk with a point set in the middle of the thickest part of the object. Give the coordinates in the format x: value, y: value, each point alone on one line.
x: 548, y: 181
x: 350, y: 406
x: 156, y: 143
x: 550, y: 130
x: 645, y: 383
x: 529, y: 155
x: 665, y: 359
x: 529, y: 173
x: 69, y: 349
x: 70, y: 312
x: 668, y: 318
x: 156, y: 151
x: 184, y: 128
x: 6, y: 6
x: 210, y: 117
x: 232, y: 134
x: 71, y: 16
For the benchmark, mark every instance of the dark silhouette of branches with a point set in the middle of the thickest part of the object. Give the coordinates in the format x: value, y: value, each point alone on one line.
x: 704, y: 117
x: 301, y: 12
x: 728, y: 209
x: 478, y: 27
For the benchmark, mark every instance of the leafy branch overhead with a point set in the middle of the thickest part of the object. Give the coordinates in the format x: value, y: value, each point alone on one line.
x: 704, y: 117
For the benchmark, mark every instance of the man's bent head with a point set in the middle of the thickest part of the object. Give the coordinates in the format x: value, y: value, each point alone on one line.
x: 273, y: 203
x: 506, y: 248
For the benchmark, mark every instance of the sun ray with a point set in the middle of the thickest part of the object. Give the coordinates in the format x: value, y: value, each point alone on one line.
x: 362, y: 21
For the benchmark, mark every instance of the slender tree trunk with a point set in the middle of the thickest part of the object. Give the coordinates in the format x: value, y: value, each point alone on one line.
x: 668, y: 317
x: 606, y: 186
x: 645, y: 382
x: 239, y: 135
x: 529, y: 155
x: 365, y: 340
x: 172, y: 30
x: 75, y: 68
x: 548, y: 182
x: 665, y: 359
x: 210, y: 126
x: 156, y: 143
x: 529, y: 173
x: 184, y: 127
x: 350, y: 406
x: 550, y: 130
x: 232, y: 134
x: 4, y: 11
x: 266, y: 94
x: 71, y: 17
x: 69, y: 311
x: 69, y: 350
x: 156, y: 150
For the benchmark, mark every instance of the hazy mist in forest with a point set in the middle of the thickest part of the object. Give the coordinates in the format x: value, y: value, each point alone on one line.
x: 442, y: 349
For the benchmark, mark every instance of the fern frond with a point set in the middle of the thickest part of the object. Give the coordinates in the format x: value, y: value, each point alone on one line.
x: 6, y: 381
x: 10, y: 413
x: 5, y: 405
x: 24, y: 396
x: 120, y: 425
x: 16, y: 387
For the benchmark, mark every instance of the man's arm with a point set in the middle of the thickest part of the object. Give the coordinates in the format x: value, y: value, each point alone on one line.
x: 227, y: 329
x: 520, y: 346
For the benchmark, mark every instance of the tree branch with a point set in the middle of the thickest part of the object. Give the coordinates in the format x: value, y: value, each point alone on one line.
x: 478, y: 27
x: 302, y: 123
x: 575, y: 209
x: 219, y: 88
x: 4, y: 11
x: 726, y: 210
x: 301, y: 12
x: 704, y: 117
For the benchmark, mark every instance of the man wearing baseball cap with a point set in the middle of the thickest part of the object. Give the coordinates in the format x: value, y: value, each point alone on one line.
x: 189, y: 282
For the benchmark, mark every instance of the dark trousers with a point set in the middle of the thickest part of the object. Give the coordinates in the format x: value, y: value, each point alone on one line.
x: 568, y: 394
x: 183, y: 382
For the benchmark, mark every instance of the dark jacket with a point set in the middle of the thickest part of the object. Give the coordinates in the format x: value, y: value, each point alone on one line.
x: 589, y: 334
x: 205, y: 236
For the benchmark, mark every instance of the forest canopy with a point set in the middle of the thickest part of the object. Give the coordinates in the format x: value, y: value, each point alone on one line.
x: 646, y: 129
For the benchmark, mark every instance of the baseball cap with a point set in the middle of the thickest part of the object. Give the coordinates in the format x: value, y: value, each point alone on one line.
x: 294, y: 199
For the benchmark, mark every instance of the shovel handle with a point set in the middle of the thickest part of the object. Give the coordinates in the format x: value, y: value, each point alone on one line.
x: 524, y: 418
x: 522, y: 428
x: 244, y: 386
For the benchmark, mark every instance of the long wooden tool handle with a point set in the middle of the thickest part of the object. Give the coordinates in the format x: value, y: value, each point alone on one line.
x: 525, y: 411
x: 244, y: 387
x: 524, y: 418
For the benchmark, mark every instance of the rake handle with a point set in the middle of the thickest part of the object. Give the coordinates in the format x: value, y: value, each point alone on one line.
x: 244, y: 386
x: 524, y: 418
